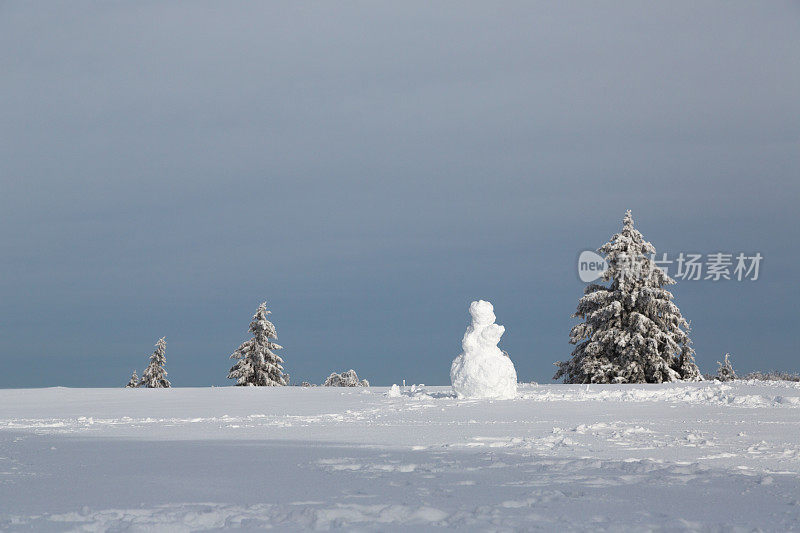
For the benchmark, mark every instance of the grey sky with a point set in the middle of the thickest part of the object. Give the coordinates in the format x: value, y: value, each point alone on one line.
x: 370, y: 168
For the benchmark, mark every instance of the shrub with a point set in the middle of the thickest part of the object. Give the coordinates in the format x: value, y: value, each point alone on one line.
x: 725, y: 372
x: 774, y: 375
x: 345, y: 379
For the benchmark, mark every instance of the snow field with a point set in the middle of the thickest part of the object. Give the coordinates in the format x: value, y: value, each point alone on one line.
x: 689, y: 456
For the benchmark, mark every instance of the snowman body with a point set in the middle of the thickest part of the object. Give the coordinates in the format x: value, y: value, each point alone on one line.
x: 482, y: 370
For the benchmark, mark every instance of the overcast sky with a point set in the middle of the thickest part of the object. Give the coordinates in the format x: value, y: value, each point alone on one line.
x: 369, y: 168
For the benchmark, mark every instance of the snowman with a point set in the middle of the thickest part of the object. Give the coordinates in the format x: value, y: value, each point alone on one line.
x: 482, y: 370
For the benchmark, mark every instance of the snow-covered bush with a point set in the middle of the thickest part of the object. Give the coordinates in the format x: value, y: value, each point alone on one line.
x: 345, y: 379
x: 154, y: 376
x: 134, y: 381
x: 773, y: 375
x: 725, y: 372
x: 257, y: 364
x: 482, y: 370
x: 632, y: 332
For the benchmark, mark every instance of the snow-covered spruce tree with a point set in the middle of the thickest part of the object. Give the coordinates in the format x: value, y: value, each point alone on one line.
x: 725, y: 372
x: 154, y: 376
x: 257, y: 364
x: 134, y: 381
x: 631, y: 332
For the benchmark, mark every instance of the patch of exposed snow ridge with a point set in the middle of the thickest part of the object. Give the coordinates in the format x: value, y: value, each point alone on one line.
x: 482, y: 370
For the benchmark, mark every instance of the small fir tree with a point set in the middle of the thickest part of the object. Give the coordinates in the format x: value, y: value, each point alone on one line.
x: 725, y: 372
x: 154, y: 376
x: 134, y: 381
x: 631, y: 331
x: 257, y: 364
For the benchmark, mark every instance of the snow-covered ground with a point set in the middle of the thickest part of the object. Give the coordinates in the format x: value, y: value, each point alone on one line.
x: 700, y: 456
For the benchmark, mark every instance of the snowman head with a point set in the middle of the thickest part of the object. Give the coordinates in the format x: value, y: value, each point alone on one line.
x: 482, y: 313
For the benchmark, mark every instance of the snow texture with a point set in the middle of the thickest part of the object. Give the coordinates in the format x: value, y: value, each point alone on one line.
x: 345, y: 379
x: 482, y: 370
x: 705, y: 456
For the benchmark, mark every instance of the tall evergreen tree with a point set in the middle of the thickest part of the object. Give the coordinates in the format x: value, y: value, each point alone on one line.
x: 154, y: 376
x: 631, y: 332
x: 257, y: 364
x: 134, y: 381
